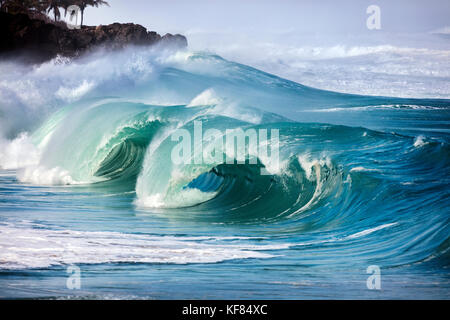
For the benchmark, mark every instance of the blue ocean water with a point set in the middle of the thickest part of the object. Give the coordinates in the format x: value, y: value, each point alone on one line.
x: 88, y: 181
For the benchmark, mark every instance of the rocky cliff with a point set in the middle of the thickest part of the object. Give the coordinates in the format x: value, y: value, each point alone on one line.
x: 33, y: 40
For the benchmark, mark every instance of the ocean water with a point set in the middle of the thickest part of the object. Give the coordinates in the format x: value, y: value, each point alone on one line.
x: 387, y: 63
x: 88, y: 180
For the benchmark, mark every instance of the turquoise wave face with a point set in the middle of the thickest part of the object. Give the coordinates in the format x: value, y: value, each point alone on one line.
x: 330, y: 177
x: 358, y: 181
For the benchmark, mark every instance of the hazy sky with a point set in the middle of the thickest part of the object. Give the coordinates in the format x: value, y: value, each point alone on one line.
x: 247, y: 16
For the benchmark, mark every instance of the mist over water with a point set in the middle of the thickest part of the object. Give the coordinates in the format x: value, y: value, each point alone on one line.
x: 387, y: 64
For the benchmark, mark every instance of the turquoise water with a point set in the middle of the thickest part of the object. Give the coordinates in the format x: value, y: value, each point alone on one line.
x: 361, y: 181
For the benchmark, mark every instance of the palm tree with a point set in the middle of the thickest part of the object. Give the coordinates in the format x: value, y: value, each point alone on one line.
x: 53, y: 5
x: 85, y: 3
x: 65, y: 4
x: 27, y: 6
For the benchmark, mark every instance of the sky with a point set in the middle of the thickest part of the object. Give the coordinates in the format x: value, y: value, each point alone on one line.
x: 303, y: 16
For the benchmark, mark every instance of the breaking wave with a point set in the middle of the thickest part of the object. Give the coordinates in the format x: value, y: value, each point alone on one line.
x: 115, y: 129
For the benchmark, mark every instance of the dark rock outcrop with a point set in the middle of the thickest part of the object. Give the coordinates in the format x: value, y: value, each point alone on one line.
x: 34, y: 40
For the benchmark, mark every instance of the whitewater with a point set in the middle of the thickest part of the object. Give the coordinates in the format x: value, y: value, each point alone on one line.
x: 87, y: 179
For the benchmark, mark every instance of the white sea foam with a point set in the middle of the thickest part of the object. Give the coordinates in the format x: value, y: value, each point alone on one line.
x: 29, y: 94
x: 307, y: 162
x: 378, y: 107
x: 29, y: 246
x: 369, y: 231
x: 183, y: 198
x: 18, y: 153
x: 40, y: 175
x: 22, y: 155
x: 388, y: 66
x: 207, y: 97
x: 420, y: 142
x: 71, y: 94
x: 359, y: 169
x: 349, y: 237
